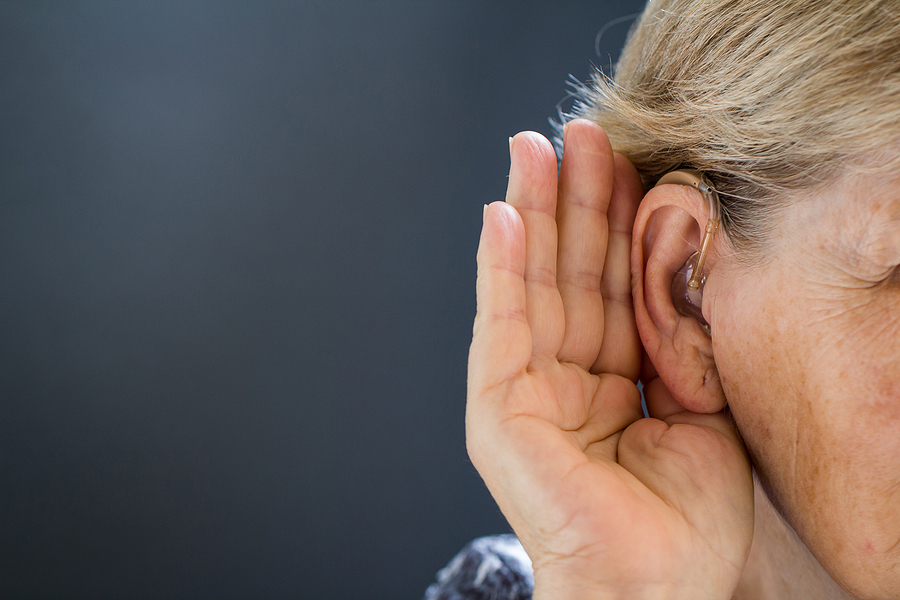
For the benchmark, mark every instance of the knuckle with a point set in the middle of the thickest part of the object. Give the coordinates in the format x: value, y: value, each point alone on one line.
x: 541, y: 275
x: 582, y: 279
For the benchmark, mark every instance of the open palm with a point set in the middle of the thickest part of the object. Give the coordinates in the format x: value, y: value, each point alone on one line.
x: 606, y: 502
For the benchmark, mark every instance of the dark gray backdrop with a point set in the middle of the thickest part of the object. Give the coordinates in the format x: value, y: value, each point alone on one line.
x: 237, y: 282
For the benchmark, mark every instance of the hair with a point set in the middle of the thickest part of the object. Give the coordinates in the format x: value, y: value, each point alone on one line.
x: 769, y: 98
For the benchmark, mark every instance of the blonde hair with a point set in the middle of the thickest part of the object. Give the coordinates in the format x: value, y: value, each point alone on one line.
x: 767, y: 97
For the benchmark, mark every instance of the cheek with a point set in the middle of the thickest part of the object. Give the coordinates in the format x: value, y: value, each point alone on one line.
x: 886, y: 394
x: 874, y: 353
x: 819, y: 409
x: 757, y: 361
x: 760, y: 373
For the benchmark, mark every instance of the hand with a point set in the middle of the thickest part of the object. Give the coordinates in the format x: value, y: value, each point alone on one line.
x: 606, y: 503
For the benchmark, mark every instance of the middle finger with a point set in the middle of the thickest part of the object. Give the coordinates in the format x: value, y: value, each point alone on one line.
x: 585, y: 187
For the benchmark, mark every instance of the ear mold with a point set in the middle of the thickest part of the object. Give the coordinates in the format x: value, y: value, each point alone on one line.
x: 687, y: 287
x: 687, y: 300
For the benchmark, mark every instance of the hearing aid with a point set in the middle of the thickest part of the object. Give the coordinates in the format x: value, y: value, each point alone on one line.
x: 687, y: 286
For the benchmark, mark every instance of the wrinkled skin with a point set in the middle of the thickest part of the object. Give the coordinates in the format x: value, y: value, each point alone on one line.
x: 805, y: 347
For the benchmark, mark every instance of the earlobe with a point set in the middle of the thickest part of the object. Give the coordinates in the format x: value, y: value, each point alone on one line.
x: 667, y: 233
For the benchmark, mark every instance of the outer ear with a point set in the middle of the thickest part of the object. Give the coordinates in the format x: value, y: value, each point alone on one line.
x: 666, y: 233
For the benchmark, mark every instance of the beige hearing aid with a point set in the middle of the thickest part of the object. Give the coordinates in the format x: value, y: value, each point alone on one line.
x: 687, y: 287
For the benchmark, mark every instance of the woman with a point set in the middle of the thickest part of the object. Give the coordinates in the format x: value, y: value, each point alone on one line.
x: 791, y: 108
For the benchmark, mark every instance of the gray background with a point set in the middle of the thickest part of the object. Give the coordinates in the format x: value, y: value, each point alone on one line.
x: 237, y: 282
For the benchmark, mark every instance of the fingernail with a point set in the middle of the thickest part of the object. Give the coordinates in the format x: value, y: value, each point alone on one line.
x: 484, y: 212
x: 565, y: 129
x: 510, y: 145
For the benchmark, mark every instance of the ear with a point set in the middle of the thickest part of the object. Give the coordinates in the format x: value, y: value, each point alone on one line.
x: 666, y: 233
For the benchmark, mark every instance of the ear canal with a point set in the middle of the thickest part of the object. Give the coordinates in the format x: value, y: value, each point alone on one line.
x: 685, y: 298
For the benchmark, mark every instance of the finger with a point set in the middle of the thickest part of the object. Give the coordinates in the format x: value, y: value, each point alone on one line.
x: 697, y: 464
x: 585, y: 185
x: 621, y: 349
x: 662, y: 405
x: 615, y: 403
x: 501, y: 340
x: 700, y: 439
x: 532, y: 191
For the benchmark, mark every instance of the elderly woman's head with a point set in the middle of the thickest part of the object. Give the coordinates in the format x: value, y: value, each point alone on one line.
x: 792, y: 109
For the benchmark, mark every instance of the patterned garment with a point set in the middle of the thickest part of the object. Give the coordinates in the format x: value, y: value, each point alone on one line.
x: 489, y: 568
